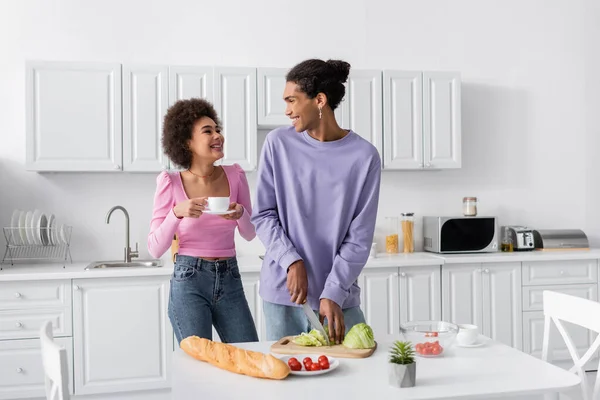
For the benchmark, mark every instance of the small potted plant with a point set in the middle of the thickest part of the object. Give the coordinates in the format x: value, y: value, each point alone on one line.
x: 402, y: 368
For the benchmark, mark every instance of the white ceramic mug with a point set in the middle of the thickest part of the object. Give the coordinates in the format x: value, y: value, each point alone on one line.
x: 467, y: 334
x: 218, y: 204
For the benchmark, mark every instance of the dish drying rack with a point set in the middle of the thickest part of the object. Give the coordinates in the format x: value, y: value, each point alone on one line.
x: 50, y: 244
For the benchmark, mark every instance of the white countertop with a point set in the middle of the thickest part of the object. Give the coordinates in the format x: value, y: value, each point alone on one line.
x: 252, y: 264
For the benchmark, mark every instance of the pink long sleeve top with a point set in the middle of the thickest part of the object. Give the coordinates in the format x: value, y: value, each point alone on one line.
x: 208, y: 235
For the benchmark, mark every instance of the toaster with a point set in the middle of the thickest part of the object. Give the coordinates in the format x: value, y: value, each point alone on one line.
x: 520, y: 236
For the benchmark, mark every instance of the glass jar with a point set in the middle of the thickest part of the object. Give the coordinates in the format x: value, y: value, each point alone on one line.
x: 506, y: 244
x: 408, y: 225
x: 469, y: 206
x: 391, y: 236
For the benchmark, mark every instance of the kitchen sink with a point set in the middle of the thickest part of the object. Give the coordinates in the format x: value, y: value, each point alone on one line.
x: 123, y: 264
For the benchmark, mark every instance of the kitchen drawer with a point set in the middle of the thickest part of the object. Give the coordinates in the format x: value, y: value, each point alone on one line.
x: 26, y: 324
x: 559, y: 272
x: 21, y: 370
x: 20, y: 295
x: 533, y: 295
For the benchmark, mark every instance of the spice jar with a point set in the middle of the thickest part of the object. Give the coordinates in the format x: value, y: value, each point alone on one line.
x: 408, y: 224
x: 469, y: 206
x: 391, y: 237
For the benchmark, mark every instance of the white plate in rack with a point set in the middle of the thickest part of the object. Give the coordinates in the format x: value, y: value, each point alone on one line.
x: 50, y: 229
x: 14, y: 236
x: 29, y: 227
x: 35, y: 227
x: 22, y: 227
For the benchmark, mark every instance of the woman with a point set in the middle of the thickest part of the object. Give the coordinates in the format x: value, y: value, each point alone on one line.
x: 206, y: 288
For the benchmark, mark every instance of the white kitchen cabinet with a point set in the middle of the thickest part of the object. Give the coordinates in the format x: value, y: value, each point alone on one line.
x: 422, y: 124
x: 235, y: 102
x: 441, y: 120
x: 361, y: 109
x: 122, y: 334
x: 145, y: 101
x: 21, y: 369
x: 73, y: 116
x: 420, y: 294
x: 271, y: 107
x: 380, y: 299
x: 251, y: 283
x: 488, y: 296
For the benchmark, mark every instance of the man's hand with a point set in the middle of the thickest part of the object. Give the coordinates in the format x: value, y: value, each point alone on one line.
x: 335, y: 320
x: 297, y: 282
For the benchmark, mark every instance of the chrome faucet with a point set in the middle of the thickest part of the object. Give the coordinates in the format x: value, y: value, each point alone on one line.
x: 128, y: 253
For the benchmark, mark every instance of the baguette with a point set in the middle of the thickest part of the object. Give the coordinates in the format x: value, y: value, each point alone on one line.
x: 234, y: 359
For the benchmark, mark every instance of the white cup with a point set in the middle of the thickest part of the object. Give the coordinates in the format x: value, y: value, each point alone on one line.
x: 467, y: 334
x: 218, y: 204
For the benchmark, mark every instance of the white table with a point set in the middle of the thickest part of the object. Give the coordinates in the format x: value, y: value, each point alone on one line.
x: 493, y: 370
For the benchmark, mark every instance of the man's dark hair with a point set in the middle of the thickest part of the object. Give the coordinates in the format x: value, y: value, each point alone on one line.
x: 317, y: 76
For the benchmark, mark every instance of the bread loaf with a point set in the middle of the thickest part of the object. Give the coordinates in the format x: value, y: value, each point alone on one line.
x: 234, y: 359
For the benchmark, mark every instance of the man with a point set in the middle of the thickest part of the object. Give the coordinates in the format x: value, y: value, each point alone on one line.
x: 317, y: 199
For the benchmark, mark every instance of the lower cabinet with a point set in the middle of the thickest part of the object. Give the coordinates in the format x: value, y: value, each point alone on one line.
x: 487, y: 295
x: 391, y: 296
x: 21, y: 370
x: 121, y: 334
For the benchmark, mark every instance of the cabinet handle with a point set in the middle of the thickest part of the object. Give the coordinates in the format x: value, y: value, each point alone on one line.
x: 117, y: 166
x: 76, y: 287
x: 19, y: 325
x: 403, y: 274
x: 479, y: 270
x: 18, y: 295
x: 428, y: 165
x: 562, y: 272
x: 487, y: 271
x: 19, y: 370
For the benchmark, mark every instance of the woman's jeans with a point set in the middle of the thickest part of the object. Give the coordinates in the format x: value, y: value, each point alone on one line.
x: 206, y: 293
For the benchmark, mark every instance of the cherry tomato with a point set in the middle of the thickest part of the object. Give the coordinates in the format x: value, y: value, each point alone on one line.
x: 293, y: 360
x: 427, y: 351
x: 323, y: 358
x: 295, y: 366
x: 435, y: 350
x: 324, y: 363
x: 307, y: 360
x: 315, y: 367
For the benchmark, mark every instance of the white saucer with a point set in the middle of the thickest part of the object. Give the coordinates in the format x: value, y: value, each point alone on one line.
x: 218, y: 212
x: 478, y: 343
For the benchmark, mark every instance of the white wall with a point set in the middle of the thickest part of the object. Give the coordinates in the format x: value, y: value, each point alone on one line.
x: 525, y: 95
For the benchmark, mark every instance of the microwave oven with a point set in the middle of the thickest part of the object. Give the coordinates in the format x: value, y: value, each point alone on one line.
x: 460, y: 234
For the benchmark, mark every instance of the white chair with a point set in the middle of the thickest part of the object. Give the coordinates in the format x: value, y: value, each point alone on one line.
x: 54, y: 359
x: 585, y: 313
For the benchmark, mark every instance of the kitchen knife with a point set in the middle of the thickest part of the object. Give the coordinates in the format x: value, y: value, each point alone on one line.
x: 314, y: 321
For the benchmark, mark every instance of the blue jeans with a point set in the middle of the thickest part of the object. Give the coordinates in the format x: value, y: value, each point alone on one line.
x: 206, y: 293
x: 284, y: 321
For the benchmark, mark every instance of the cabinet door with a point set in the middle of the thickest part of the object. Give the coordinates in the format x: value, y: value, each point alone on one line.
x: 271, y: 107
x: 403, y: 120
x: 251, y: 283
x: 21, y: 370
x: 122, y: 335
x: 235, y: 102
x: 380, y: 300
x: 145, y: 100
x: 362, y: 107
x: 73, y: 116
x: 502, y: 317
x: 461, y: 294
x: 533, y: 326
x: 190, y: 82
x: 420, y: 294
x: 441, y: 120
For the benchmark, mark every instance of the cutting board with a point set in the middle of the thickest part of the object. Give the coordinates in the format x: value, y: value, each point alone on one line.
x: 286, y: 346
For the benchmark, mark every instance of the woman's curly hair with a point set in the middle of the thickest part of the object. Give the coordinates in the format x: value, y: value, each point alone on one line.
x: 179, y: 125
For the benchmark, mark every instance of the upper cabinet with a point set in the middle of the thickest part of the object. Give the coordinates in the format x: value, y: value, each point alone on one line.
x: 109, y: 117
x: 73, y: 116
x: 422, y: 124
x: 145, y: 101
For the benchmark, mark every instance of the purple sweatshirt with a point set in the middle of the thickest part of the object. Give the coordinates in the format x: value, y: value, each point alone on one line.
x: 316, y: 201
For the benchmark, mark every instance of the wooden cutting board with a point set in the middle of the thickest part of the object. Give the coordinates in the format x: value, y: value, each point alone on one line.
x: 286, y: 346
